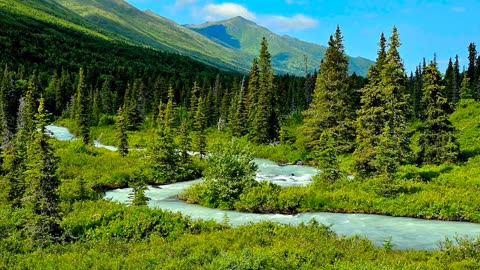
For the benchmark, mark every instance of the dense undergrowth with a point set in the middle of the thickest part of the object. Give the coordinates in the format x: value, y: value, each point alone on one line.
x: 105, y: 235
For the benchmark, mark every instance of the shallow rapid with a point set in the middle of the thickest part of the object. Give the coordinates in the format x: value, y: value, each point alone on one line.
x: 403, y: 233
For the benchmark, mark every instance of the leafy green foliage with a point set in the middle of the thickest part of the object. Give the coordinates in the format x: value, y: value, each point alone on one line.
x: 230, y: 170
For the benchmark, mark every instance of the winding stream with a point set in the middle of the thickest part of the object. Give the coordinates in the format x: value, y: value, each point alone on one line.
x: 405, y: 233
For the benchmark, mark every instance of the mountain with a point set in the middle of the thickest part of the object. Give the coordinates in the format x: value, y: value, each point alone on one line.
x: 229, y: 45
x: 288, y: 53
x: 149, y: 29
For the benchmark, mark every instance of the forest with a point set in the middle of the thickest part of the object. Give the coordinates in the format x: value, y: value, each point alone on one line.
x: 391, y: 143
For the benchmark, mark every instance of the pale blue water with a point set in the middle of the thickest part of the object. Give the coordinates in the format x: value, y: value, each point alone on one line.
x: 405, y: 233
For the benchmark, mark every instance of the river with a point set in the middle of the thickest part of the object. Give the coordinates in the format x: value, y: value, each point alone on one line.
x: 404, y: 233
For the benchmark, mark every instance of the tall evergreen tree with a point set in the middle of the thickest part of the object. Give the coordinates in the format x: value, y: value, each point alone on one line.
x: 96, y: 108
x: 239, y: 125
x: 253, y: 89
x: 437, y: 142
x: 200, y: 127
x: 265, y: 124
x: 170, y: 109
x: 371, y: 116
x: 456, y: 84
x: 393, y: 80
x: 7, y: 103
x: 472, y: 58
x: 185, y: 142
x: 449, y: 80
x: 163, y: 158
x: 137, y: 196
x: 326, y: 155
x: 194, y: 95
x: 40, y: 199
x: 465, y: 90
x: 122, y: 134
x: 82, y: 114
x: 329, y: 110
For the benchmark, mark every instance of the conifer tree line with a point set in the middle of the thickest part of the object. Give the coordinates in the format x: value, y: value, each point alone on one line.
x: 375, y: 130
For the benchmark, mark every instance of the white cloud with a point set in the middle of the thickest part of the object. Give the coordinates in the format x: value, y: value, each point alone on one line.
x: 459, y: 9
x: 227, y: 10
x: 285, y: 24
x: 276, y: 23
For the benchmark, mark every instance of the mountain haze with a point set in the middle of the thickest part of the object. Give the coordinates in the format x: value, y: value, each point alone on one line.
x: 229, y: 44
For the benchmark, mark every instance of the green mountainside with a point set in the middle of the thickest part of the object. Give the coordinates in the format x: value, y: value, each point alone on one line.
x: 229, y: 44
x: 149, y: 29
x: 287, y: 52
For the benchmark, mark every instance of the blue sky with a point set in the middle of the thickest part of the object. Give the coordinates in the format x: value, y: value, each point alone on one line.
x: 425, y: 27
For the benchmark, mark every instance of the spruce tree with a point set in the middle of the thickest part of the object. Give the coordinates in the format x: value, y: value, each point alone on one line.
x: 122, y: 134
x: 40, y: 199
x: 329, y: 110
x: 456, y: 80
x: 327, y: 158
x: 185, y: 142
x: 472, y: 58
x: 170, y: 109
x: 194, y: 95
x: 137, y: 196
x: 465, y: 90
x: 163, y: 158
x: 253, y: 89
x: 7, y: 120
x: 82, y: 114
x: 437, y: 142
x: 448, y: 89
x: 96, y: 108
x: 265, y: 123
x: 200, y: 128
x: 371, y: 117
x: 239, y: 123
x: 393, y: 82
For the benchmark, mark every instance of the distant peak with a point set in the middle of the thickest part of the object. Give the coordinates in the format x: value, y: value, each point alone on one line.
x: 240, y: 19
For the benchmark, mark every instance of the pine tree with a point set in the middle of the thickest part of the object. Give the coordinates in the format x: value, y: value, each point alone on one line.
x: 472, y: 57
x: 456, y: 84
x: 253, y: 89
x: 96, y: 108
x: 393, y: 86
x: 265, y: 123
x: 194, y: 95
x: 326, y: 155
x: 122, y: 134
x: 437, y: 142
x: 239, y: 123
x: 448, y: 89
x: 329, y: 110
x: 164, y: 159
x: 40, y: 199
x: 371, y: 116
x: 82, y: 109
x: 184, y: 141
x: 200, y: 128
x: 170, y: 109
x: 15, y: 156
x: 137, y: 196
x: 465, y: 91
x: 7, y: 120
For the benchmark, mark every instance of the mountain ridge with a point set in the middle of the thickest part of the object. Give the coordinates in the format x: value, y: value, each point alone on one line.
x: 229, y: 44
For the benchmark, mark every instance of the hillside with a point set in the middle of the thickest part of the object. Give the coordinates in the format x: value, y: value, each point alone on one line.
x: 149, y: 29
x: 229, y: 44
x: 287, y: 52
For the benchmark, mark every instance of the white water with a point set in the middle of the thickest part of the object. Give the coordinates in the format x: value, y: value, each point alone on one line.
x: 405, y: 233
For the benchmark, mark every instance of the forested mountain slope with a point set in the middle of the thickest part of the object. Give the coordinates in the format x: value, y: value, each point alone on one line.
x: 211, y: 44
